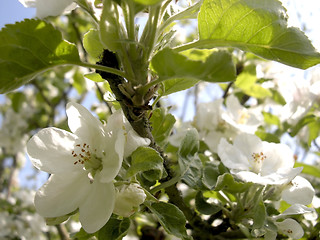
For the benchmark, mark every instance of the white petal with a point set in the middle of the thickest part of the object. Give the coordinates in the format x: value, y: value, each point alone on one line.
x: 133, y: 142
x: 114, y: 155
x: 61, y: 194
x: 231, y: 156
x: 295, y: 209
x: 50, y: 150
x: 290, y: 228
x: 28, y: 3
x: 96, y: 210
x: 82, y: 123
x: 298, y: 191
x: 278, y: 156
x: 248, y: 144
x: 47, y: 8
x: 251, y: 177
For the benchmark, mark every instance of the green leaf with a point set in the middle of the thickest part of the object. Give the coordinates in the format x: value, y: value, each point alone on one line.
x: 146, y: 160
x: 259, y: 215
x: 92, y: 43
x: 268, y: 137
x: 96, y: 77
x: 302, y: 122
x: 79, y: 83
x: 314, y: 130
x: 148, y: 2
x: 271, y: 119
x: 181, y: 72
x: 82, y: 235
x: 309, y: 169
x: 257, y: 26
x: 114, y: 229
x: 162, y: 124
x: 110, y: 30
x: 204, y: 207
x: 17, y: 99
x: 29, y: 48
x: 190, y: 144
x: 171, y: 218
x: 210, y: 176
x: 227, y: 183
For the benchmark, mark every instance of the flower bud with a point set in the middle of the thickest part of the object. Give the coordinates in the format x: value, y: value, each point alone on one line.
x: 128, y: 198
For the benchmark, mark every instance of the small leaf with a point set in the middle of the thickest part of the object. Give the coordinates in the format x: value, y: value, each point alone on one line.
x: 210, y: 176
x: 110, y: 30
x: 268, y: 137
x: 171, y: 218
x: 146, y: 160
x: 204, y: 207
x: 17, y: 99
x: 271, y: 119
x: 259, y: 216
x: 162, y: 124
x: 181, y: 72
x: 189, y: 144
x: 227, y: 183
x: 29, y: 48
x: 114, y: 229
x: 92, y: 43
x: 82, y: 235
x: 96, y: 77
x: 259, y: 27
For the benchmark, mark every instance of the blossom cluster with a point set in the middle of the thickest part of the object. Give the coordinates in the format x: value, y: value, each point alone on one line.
x: 83, y: 165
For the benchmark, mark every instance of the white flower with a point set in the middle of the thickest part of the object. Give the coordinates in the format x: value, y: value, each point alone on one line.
x: 253, y: 160
x: 290, y: 228
x: 82, y: 164
x: 299, y: 190
x: 47, y: 8
x: 128, y: 198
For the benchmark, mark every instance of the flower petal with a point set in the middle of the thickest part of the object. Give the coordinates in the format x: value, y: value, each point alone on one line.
x: 96, y: 210
x: 294, y: 210
x: 278, y: 156
x: 50, y: 150
x: 290, y: 228
x: 82, y: 123
x: 133, y: 142
x: 299, y: 191
x: 231, y: 156
x: 61, y: 194
x: 47, y: 8
x: 114, y: 155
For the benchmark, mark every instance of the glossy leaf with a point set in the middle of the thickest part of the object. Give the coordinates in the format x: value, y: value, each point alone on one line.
x: 171, y: 218
x: 227, y: 183
x: 115, y: 229
x: 110, y: 31
x: 162, y: 124
x: 180, y: 72
x: 29, y: 48
x: 147, y: 160
x: 204, y: 207
x: 257, y: 26
x: 92, y: 43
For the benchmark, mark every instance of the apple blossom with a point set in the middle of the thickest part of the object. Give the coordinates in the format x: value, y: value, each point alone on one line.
x: 214, y: 122
x: 299, y: 190
x: 82, y: 164
x: 47, y: 8
x: 253, y: 160
x: 291, y: 228
x: 128, y: 198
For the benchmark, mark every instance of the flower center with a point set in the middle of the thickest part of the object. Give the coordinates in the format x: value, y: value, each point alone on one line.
x: 243, y: 118
x: 87, y: 157
x: 258, y: 158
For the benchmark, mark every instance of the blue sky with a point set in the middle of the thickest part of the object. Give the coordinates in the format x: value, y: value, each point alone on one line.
x: 12, y: 11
